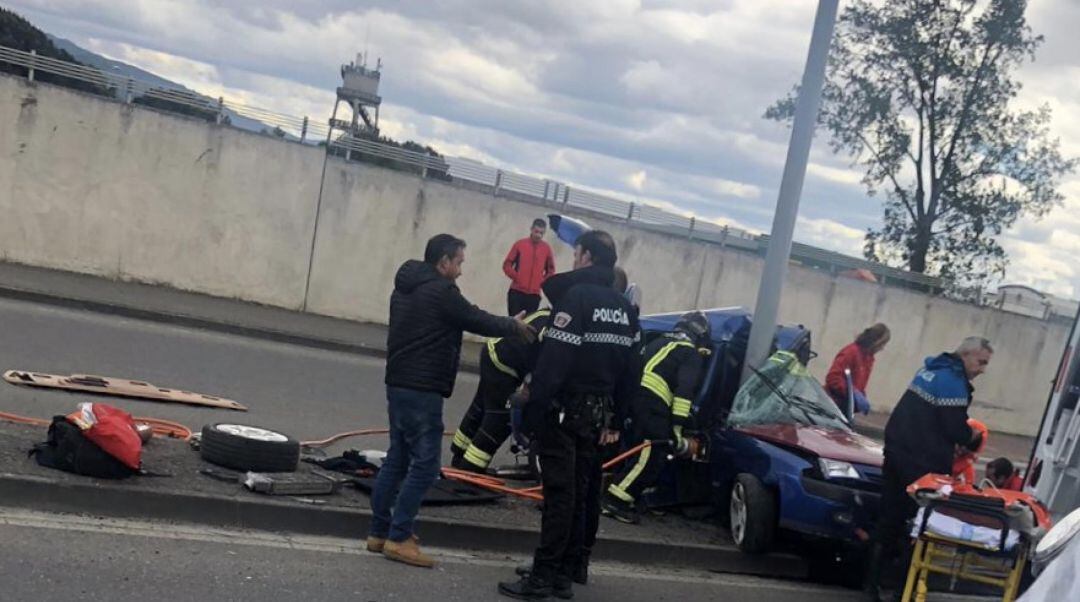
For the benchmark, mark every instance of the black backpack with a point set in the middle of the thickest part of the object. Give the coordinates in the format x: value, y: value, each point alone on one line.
x: 68, y: 450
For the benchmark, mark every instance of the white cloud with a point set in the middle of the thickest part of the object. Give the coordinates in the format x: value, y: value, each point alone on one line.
x: 637, y: 179
x: 829, y: 234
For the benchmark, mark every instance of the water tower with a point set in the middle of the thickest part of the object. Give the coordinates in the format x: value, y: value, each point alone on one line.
x: 359, y: 90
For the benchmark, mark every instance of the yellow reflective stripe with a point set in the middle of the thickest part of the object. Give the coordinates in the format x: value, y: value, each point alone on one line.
x: 494, y: 357
x: 461, y: 440
x: 677, y: 429
x: 681, y: 407
x: 619, y: 493
x: 476, y: 456
x: 658, y: 386
x: 619, y: 490
x: 654, y: 382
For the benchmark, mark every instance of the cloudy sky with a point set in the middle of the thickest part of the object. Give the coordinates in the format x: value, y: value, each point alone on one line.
x: 655, y: 100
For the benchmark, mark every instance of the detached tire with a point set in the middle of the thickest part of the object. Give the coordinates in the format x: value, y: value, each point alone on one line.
x: 753, y: 514
x: 243, y: 447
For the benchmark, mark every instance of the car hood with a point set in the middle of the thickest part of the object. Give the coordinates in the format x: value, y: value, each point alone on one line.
x: 834, y: 444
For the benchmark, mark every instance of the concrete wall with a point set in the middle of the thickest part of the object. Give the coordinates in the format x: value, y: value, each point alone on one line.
x: 92, y: 186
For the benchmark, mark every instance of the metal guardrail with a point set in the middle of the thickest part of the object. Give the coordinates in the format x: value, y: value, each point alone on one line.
x: 129, y: 90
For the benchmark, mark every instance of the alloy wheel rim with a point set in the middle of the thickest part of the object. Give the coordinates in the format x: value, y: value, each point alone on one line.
x: 738, y: 513
x: 251, y: 432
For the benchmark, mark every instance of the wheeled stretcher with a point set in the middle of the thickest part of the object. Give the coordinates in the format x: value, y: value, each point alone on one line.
x: 981, y: 536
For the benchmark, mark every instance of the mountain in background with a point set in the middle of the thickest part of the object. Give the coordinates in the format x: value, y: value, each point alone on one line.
x: 123, y: 70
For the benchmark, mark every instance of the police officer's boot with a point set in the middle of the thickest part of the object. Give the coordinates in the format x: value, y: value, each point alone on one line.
x: 529, y: 587
x: 872, y: 578
x: 581, y: 571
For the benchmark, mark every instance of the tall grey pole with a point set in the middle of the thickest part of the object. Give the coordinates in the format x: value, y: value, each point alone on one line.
x: 787, y: 203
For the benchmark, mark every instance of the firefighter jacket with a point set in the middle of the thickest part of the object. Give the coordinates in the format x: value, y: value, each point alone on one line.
x: 515, y: 356
x: 673, y: 370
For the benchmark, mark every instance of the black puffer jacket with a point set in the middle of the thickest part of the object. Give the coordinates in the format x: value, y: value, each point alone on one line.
x: 427, y: 316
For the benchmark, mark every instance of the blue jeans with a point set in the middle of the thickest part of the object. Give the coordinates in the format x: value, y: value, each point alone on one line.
x: 412, y: 462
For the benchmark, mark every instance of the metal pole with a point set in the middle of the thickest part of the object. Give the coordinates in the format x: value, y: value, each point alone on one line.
x: 787, y: 202
x: 303, y: 129
x: 33, y: 61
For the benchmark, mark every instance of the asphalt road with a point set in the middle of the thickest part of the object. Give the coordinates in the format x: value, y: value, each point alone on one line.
x: 307, y: 393
x: 61, y: 557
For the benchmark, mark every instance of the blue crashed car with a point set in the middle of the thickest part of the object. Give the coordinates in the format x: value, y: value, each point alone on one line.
x: 778, y: 453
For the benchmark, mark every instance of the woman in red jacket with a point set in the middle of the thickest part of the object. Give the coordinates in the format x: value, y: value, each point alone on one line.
x: 859, y: 358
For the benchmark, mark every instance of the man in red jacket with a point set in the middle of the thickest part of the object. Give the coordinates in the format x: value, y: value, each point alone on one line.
x: 527, y: 265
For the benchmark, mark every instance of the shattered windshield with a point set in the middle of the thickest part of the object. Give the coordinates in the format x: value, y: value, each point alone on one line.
x: 784, y: 392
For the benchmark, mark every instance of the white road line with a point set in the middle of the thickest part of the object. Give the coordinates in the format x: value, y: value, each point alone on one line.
x: 17, y: 517
x: 39, y: 520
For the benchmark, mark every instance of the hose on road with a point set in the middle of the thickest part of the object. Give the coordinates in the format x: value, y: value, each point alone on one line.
x: 161, y: 428
x: 175, y: 430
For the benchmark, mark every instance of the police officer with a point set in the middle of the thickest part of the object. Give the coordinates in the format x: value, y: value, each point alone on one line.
x: 504, y: 363
x: 674, y: 366
x: 584, y: 376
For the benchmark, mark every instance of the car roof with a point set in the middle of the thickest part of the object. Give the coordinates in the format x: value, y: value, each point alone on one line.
x: 726, y: 323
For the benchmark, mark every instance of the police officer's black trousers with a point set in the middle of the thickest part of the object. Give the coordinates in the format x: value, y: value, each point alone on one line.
x: 486, y: 423
x: 891, y: 541
x: 567, y: 453
x: 650, y: 419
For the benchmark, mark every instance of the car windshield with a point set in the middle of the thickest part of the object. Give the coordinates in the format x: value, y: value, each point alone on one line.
x: 784, y: 392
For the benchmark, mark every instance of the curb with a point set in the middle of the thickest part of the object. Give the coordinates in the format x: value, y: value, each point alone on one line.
x: 123, y: 501
x: 262, y: 333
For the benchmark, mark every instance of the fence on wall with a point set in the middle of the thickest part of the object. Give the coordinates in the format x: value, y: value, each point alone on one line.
x: 430, y: 165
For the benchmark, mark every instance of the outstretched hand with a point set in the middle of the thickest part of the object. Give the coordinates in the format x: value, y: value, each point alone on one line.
x: 524, y: 330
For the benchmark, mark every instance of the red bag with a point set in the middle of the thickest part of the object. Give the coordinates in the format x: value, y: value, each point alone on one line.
x: 111, y: 429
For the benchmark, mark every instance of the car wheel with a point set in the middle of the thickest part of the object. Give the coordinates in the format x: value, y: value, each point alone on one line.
x: 243, y: 447
x: 753, y: 514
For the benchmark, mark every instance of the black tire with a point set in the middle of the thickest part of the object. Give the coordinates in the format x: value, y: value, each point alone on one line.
x: 243, y: 447
x: 752, y: 511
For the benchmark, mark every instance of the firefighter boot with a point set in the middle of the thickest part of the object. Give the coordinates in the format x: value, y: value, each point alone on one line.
x: 619, y: 510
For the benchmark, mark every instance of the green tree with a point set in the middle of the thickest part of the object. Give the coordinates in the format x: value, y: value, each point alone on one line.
x: 920, y: 95
x: 16, y: 32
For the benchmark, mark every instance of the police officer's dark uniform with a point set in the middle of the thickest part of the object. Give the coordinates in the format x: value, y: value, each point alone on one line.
x: 584, y: 375
x: 674, y: 366
x: 504, y: 363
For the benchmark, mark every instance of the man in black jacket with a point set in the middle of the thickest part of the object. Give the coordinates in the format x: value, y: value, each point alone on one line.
x: 923, y: 432
x: 427, y: 316
x: 586, y: 373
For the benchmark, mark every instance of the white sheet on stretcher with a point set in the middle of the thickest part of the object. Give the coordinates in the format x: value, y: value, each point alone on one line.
x: 947, y: 526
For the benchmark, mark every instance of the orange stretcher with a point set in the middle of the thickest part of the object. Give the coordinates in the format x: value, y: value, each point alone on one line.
x: 970, y: 534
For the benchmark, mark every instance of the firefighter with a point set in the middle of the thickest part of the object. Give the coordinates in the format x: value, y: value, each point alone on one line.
x: 585, y: 374
x: 674, y: 365
x: 504, y: 363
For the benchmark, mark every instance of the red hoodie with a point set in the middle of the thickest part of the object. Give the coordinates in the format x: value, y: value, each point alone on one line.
x: 527, y: 265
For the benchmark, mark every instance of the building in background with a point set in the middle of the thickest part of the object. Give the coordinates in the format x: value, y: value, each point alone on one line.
x: 1021, y: 299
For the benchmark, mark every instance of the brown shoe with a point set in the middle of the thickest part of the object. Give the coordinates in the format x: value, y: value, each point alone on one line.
x: 408, y: 552
x: 375, y: 544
